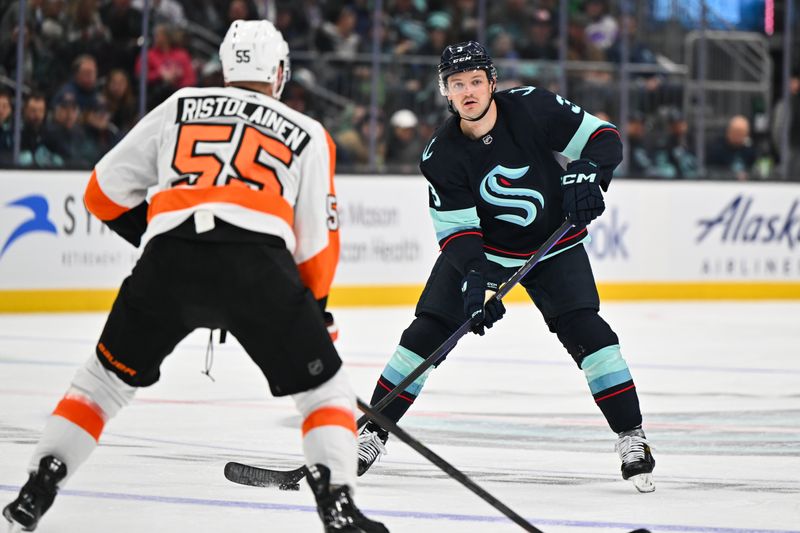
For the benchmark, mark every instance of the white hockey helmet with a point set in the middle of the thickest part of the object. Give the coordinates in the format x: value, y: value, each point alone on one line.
x: 253, y: 50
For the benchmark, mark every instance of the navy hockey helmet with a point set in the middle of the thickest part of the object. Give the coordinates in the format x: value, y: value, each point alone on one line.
x: 463, y: 57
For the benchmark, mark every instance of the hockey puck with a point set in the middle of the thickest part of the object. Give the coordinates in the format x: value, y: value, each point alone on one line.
x: 289, y: 486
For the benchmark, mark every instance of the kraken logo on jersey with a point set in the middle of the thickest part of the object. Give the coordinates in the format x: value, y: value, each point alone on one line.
x: 427, y: 153
x: 495, y: 183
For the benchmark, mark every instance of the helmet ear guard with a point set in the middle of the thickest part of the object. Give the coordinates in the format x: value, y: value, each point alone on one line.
x: 253, y: 50
x: 463, y: 57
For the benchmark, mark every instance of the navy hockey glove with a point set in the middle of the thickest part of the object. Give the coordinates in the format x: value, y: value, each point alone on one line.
x: 583, y: 198
x: 479, y: 308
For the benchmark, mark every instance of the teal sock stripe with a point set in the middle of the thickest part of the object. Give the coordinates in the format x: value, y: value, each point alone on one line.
x: 402, y: 363
x: 605, y: 368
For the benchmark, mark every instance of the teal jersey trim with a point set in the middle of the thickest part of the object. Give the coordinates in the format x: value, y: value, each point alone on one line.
x: 509, y: 262
x: 403, y: 363
x: 447, y: 223
x: 589, y: 125
x: 605, y: 368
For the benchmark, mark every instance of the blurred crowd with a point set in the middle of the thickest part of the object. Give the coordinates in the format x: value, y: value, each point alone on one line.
x: 82, y: 73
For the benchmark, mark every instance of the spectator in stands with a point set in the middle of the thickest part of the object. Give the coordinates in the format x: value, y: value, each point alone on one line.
x: 541, y: 44
x: 65, y: 134
x: 101, y: 134
x: 120, y: 100
x: 588, y: 85
x: 674, y: 157
x: 602, y: 29
x: 780, y: 116
x: 465, y: 21
x: 124, y: 22
x: 513, y: 16
x: 438, y: 26
x: 294, y: 27
x: 169, y: 66
x: 8, y: 52
x: 83, y: 84
x: 169, y: 12
x: 353, y: 139
x: 404, y: 146
x: 241, y: 10
x: 649, y: 88
x: 35, y: 148
x: 640, y: 164
x: 731, y: 156
x: 86, y: 33
x: 337, y: 34
x: 6, y: 128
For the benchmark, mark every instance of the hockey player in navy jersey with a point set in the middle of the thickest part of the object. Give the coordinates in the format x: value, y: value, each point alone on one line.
x: 497, y: 191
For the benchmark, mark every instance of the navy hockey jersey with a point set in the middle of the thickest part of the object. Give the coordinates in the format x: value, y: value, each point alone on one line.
x: 502, y: 192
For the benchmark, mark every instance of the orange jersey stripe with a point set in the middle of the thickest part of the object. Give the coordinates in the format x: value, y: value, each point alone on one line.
x: 178, y: 198
x: 83, y: 413
x: 330, y: 416
x: 317, y: 272
x: 98, y: 203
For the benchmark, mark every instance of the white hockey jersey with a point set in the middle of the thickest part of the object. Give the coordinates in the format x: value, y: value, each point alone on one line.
x: 241, y: 155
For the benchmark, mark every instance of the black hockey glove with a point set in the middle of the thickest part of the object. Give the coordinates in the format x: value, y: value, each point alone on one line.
x: 479, y: 308
x: 583, y: 197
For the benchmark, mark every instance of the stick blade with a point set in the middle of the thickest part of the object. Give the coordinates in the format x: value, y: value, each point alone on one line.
x: 262, y: 477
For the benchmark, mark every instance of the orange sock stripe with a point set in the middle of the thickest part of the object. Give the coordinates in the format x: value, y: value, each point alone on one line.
x: 83, y: 413
x: 330, y: 416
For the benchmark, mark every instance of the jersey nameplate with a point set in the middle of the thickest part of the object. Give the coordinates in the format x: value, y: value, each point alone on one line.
x: 191, y: 109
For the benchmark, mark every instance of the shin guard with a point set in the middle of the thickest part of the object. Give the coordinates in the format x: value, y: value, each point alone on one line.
x: 329, y: 428
x: 72, y: 432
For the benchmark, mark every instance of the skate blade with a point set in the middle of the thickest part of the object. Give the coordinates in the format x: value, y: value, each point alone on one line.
x: 643, y: 482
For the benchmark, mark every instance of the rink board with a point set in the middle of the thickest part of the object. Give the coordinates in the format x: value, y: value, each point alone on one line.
x: 656, y: 241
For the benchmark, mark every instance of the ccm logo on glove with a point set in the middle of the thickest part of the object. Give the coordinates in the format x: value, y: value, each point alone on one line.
x: 569, y: 179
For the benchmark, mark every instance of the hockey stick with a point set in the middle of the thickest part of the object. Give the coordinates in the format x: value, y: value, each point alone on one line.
x: 451, y: 341
x: 287, y: 479
x: 446, y: 467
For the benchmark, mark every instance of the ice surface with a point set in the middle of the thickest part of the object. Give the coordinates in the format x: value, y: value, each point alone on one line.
x: 719, y: 385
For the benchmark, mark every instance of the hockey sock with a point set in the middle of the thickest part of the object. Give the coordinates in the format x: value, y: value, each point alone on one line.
x: 329, y: 428
x: 72, y: 431
x: 612, y: 388
x: 402, y: 363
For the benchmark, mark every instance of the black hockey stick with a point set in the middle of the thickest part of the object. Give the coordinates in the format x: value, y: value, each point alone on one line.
x: 453, y: 339
x: 287, y: 479
x: 446, y: 467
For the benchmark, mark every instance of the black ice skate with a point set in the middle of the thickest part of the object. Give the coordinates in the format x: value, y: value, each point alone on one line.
x: 36, y: 496
x: 335, y: 505
x: 637, y: 460
x: 370, y: 446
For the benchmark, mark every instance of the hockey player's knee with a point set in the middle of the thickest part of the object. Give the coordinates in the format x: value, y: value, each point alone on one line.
x: 336, y: 392
x: 403, y: 363
x: 582, y: 332
x: 94, y: 397
x: 605, y: 369
x: 425, y: 334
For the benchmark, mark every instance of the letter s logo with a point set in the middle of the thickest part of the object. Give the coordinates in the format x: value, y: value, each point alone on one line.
x: 491, y: 187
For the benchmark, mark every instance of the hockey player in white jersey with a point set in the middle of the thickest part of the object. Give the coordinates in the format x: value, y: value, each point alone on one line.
x: 231, y: 195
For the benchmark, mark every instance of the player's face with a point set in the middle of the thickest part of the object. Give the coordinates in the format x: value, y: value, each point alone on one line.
x: 470, y: 92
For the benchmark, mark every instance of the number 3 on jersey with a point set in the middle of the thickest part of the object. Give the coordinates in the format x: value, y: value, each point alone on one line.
x: 205, y: 170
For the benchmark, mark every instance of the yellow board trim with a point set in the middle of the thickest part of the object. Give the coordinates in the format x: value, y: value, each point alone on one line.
x: 72, y: 300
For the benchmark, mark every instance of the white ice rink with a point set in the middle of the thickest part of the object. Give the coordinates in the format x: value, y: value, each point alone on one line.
x: 719, y: 385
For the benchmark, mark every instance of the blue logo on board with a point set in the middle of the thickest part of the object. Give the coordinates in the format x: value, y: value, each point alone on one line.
x: 39, y: 222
